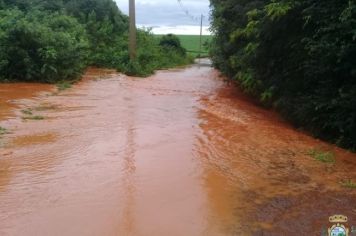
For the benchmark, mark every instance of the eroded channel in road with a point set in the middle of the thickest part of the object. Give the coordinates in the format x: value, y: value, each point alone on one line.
x: 178, y: 153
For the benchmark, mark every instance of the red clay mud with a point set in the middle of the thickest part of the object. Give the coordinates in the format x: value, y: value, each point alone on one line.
x: 178, y: 153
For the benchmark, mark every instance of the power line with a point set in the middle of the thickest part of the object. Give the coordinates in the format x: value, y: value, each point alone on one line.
x: 186, y: 11
x: 194, y: 18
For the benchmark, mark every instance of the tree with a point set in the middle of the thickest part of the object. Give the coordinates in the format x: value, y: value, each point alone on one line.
x: 297, y: 56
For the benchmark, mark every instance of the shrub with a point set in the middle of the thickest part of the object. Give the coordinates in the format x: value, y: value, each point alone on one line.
x: 41, y: 46
x: 153, y: 55
x: 326, y: 157
x: 172, y: 42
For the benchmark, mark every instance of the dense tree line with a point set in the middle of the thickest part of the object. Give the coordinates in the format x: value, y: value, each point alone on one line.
x: 298, y: 56
x: 54, y: 40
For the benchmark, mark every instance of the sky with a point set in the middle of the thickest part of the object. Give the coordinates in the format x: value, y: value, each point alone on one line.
x: 168, y: 16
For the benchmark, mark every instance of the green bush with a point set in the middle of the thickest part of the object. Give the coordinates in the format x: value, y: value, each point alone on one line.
x: 40, y: 46
x: 172, y: 42
x: 298, y: 56
x: 51, y: 41
x: 153, y: 55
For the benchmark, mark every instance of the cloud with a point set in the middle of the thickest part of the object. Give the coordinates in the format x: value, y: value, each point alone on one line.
x: 169, y: 13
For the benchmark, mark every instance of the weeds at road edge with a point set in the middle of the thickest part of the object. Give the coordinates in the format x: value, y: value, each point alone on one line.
x: 63, y: 85
x: 27, y: 112
x: 3, y: 131
x: 28, y: 115
x: 348, y: 184
x: 33, y: 118
x: 325, y: 157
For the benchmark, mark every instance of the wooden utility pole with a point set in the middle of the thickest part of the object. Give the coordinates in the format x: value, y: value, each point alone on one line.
x: 132, y: 30
x: 201, y: 33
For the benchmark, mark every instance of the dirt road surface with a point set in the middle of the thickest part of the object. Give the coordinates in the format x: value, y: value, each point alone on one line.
x: 178, y: 153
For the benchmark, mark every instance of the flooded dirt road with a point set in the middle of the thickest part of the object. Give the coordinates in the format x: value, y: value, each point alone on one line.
x: 178, y: 153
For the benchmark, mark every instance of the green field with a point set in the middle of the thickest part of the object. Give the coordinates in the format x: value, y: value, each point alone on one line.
x: 191, y: 43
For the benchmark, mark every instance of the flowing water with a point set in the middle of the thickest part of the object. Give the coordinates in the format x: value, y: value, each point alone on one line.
x: 178, y: 153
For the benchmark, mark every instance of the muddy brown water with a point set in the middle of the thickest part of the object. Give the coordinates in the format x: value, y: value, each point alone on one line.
x: 178, y: 153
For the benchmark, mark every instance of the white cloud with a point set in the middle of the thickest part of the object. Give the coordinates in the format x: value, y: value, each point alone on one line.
x: 165, y: 15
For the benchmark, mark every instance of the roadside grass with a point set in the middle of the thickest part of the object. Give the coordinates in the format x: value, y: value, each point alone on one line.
x: 348, y: 184
x: 3, y: 131
x: 63, y: 85
x: 28, y: 115
x: 33, y: 118
x: 27, y: 112
x: 322, y: 156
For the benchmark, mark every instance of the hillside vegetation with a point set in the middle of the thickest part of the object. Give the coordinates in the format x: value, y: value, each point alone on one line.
x: 55, y: 40
x: 297, y: 56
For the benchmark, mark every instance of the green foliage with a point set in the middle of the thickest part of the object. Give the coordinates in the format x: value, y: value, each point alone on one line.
x: 3, y: 131
x: 326, y: 157
x: 63, y: 85
x: 40, y: 46
x: 27, y: 112
x: 191, y: 44
x: 53, y: 41
x: 172, y: 42
x: 348, y: 184
x: 277, y: 9
x: 29, y: 115
x: 298, y: 56
x: 33, y: 117
x: 153, y: 54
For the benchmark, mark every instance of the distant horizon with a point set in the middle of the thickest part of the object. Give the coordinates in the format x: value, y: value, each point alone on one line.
x: 165, y: 17
x: 178, y: 30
